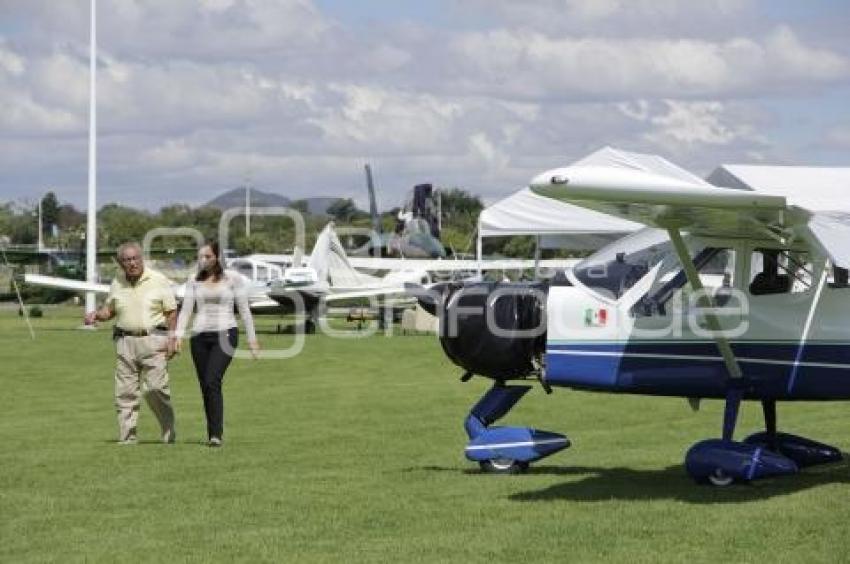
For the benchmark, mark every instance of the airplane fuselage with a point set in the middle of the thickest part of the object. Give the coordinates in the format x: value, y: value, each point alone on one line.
x: 790, y: 345
x: 640, y: 356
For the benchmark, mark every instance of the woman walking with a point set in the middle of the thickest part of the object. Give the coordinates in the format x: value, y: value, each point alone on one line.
x: 212, y: 294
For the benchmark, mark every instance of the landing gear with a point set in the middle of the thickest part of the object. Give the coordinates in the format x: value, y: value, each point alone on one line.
x: 721, y: 462
x: 315, y: 311
x: 506, y: 450
x: 804, y: 452
x: 720, y: 478
x: 503, y: 466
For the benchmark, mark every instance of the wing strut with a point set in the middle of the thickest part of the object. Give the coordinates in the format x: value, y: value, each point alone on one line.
x: 736, y: 382
x: 706, y: 302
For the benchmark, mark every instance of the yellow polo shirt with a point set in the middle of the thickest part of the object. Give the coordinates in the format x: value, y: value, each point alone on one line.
x: 141, y: 306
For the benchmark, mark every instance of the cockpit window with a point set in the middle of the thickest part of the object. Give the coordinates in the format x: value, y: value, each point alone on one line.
x: 840, y: 278
x: 775, y: 271
x: 245, y: 269
x: 715, y: 267
x: 615, y: 268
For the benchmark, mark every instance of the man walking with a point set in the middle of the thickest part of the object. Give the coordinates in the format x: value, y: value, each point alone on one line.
x: 144, y: 306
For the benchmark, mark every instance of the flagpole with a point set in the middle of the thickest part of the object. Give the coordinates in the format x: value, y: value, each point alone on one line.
x: 91, y: 221
x: 247, y: 209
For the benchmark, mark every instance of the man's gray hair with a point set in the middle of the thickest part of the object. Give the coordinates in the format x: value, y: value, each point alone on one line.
x: 128, y: 245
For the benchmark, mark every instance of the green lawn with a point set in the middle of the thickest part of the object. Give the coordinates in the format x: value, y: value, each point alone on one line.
x: 353, y: 451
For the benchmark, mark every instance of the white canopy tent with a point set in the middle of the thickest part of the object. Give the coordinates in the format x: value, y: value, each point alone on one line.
x: 561, y: 225
x: 811, y: 187
x: 526, y: 213
x: 824, y: 192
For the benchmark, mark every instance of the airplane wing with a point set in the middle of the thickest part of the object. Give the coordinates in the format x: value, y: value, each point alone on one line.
x: 658, y: 201
x: 663, y: 202
x: 831, y: 231
x: 65, y: 283
x: 262, y: 305
x: 82, y: 285
x: 390, y: 291
x: 455, y: 265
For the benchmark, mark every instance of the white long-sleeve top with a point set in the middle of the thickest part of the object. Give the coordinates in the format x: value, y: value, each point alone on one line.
x: 214, y: 302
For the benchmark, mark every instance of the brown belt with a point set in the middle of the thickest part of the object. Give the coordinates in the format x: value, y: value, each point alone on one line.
x: 118, y: 332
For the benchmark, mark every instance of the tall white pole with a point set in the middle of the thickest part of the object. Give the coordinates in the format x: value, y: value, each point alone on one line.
x: 40, y: 227
x: 91, y: 221
x: 247, y: 209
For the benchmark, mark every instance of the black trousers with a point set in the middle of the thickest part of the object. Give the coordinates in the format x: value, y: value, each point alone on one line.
x: 211, y: 361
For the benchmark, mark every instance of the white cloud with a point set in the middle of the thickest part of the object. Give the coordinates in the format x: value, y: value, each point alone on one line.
x: 373, y: 117
x: 10, y: 63
x: 528, y: 64
x: 695, y: 123
x: 173, y: 153
x: 620, y: 17
x: 23, y: 115
x: 635, y: 109
x: 195, y: 94
x: 838, y: 137
x: 207, y: 30
x: 483, y: 149
x: 698, y: 130
x: 29, y: 110
x: 799, y: 60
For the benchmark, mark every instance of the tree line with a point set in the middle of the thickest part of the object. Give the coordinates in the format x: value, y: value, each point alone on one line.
x: 64, y: 226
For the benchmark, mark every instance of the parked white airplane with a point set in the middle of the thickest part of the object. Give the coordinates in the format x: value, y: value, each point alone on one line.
x: 434, y: 267
x: 329, y: 276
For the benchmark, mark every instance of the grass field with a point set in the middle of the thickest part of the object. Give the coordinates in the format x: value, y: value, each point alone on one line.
x: 353, y: 451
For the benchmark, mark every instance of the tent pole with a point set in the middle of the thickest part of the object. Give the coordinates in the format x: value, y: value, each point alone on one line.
x: 478, y: 252
x: 536, y: 257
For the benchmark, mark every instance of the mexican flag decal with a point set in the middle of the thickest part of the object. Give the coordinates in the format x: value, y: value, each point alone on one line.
x: 595, y: 317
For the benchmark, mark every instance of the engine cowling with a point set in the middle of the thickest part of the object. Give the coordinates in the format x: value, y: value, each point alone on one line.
x: 493, y: 329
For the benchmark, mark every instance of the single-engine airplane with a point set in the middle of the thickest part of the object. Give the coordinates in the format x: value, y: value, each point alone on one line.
x: 329, y: 277
x: 636, y: 317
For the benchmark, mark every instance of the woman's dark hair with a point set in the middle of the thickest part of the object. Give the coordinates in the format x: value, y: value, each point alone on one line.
x: 217, y: 271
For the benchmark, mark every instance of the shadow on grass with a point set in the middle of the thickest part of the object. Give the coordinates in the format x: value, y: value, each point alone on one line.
x: 605, y: 484
x: 156, y: 442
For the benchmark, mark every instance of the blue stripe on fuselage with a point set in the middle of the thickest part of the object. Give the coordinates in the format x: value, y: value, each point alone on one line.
x: 695, y: 368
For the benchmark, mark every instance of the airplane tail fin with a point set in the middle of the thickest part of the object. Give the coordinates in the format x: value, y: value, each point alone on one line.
x: 373, y: 203
x: 330, y: 261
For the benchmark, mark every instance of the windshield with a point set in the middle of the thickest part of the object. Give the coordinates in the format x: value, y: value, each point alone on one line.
x: 615, y: 268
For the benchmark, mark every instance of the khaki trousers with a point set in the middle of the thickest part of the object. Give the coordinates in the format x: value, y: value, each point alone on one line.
x: 141, y: 366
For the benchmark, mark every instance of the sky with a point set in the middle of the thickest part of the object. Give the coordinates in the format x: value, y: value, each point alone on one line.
x: 294, y: 96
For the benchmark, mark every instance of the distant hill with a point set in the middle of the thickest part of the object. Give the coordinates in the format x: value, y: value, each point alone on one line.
x: 236, y: 199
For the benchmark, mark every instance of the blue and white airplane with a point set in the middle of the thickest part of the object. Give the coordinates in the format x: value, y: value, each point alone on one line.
x: 727, y: 294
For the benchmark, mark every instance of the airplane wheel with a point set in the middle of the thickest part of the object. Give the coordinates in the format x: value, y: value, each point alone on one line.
x: 503, y: 466
x: 720, y: 478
